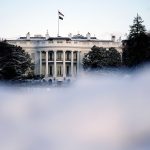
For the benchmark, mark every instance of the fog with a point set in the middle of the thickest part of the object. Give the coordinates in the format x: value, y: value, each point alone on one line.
x: 98, y: 111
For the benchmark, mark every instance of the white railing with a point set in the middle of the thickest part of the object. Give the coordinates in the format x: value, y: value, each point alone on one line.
x: 81, y: 44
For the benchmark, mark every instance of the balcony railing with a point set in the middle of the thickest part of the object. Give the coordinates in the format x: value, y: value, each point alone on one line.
x: 59, y: 59
x: 68, y: 59
x: 59, y: 75
x: 51, y: 59
x: 75, y: 59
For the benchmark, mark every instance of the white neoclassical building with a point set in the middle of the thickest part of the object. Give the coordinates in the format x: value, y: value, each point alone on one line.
x: 60, y: 58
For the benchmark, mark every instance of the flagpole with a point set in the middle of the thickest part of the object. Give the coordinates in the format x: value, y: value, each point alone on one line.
x: 60, y: 16
x: 58, y: 25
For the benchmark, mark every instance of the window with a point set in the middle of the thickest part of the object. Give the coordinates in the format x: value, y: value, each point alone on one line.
x: 59, y: 41
x: 59, y: 72
x: 43, y: 56
x: 13, y: 43
x: 50, y: 41
x: 68, y: 56
x: 67, y: 71
x: 68, y: 41
x: 75, y: 56
x: 59, y: 56
x: 50, y: 71
x: 50, y: 56
x: 23, y: 42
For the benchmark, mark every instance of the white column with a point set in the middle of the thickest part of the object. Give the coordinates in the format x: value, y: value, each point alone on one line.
x: 64, y: 64
x: 78, y: 62
x: 55, y: 64
x: 46, y: 63
x: 72, y: 73
x: 40, y: 62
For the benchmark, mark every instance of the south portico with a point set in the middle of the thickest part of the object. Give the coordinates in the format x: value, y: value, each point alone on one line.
x: 59, y: 65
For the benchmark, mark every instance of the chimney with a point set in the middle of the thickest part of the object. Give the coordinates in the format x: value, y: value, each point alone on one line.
x: 88, y: 35
x: 70, y: 35
x: 120, y: 39
x: 47, y: 35
x: 28, y: 36
x: 113, y: 38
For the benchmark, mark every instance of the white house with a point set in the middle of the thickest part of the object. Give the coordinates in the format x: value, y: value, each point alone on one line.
x: 60, y: 58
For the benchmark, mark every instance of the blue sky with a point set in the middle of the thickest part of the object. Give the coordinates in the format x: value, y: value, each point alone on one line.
x: 99, y: 17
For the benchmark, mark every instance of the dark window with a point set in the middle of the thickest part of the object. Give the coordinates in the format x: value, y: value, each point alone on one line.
x: 59, y: 73
x: 43, y: 56
x: 50, y: 56
x: 67, y: 71
x: 59, y: 56
x: 75, y: 56
x: 68, y: 56
x: 50, y: 71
